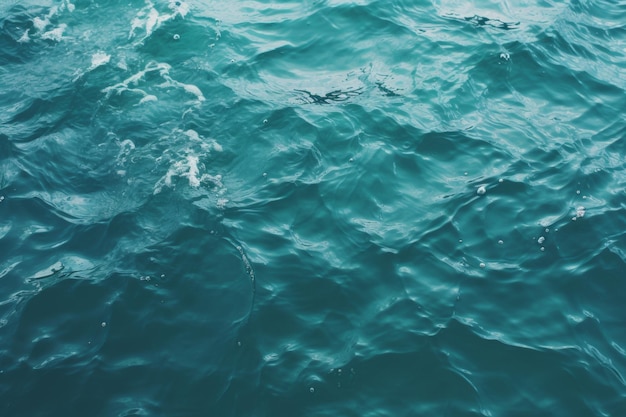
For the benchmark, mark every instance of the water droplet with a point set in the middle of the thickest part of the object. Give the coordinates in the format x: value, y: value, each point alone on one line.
x: 265, y: 174
x: 311, y: 390
x: 547, y: 230
x: 577, y: 191
x: 543, y: 249
x: 500, y: 242
x: 264, y: 121
x: 103, y: 324
x: 176, y: 36
x: 580, y: 211
x: 351, y: 160
x: 481, y: 190
x: 482, y: 265
x: 500, y: 180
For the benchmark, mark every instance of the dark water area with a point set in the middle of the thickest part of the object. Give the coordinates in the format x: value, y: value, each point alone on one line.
x: 315, y: 208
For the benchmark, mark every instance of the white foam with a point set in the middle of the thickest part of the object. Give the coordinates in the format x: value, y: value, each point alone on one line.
x: 66, y: 4
x: 134, y: 80
x: 221, y: 203
x: 163, y: 70
x: 98, y: 59
x: 25, y: 37
x: 40, y: 24
x: 150, y: 20
x: 179, y: 7
x: 147, y: 98
x: 189, y: 88
x: 205, y: 144
x: 55, y: 34
x: 185, y: 168
x: 580, y: 212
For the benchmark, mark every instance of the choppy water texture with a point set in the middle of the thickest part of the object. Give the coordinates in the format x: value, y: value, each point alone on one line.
x: 312, y: 208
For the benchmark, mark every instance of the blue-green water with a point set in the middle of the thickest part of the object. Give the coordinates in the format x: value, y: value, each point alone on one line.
x: 314, y: 208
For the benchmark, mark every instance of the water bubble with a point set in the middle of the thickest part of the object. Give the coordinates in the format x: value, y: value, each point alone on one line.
x: 103, y: 324
x: 265, y: 175
x: 482, y: 265
x: 505, y: 56
x: 264, y: 121
x: 312, y: 390
x: 481, y: 190
x: 543, y: 249
x: 176, y: 36
x: 1, y: 198
x: 577, y: 191
x: 547, y: 230
x: 500, y: 180
x: 541, y: 240
x: 500, y: 242
x: 351, y: 160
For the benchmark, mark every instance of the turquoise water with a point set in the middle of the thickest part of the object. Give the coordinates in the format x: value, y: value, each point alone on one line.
x: 314, y: 208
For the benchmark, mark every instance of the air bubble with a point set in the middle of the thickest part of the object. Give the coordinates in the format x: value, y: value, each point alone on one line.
x: 176, y: 36
x: 541, y: 240
x: 103, y: 324
x: 312, y: 390
x: 500, y: 242
x: 481, y: 190
x: 482, y: 265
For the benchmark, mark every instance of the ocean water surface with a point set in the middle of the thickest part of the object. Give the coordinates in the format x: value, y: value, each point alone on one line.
x: 313, y: 208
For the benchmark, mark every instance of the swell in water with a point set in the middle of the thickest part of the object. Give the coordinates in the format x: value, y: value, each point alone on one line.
x: 314, y: 208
